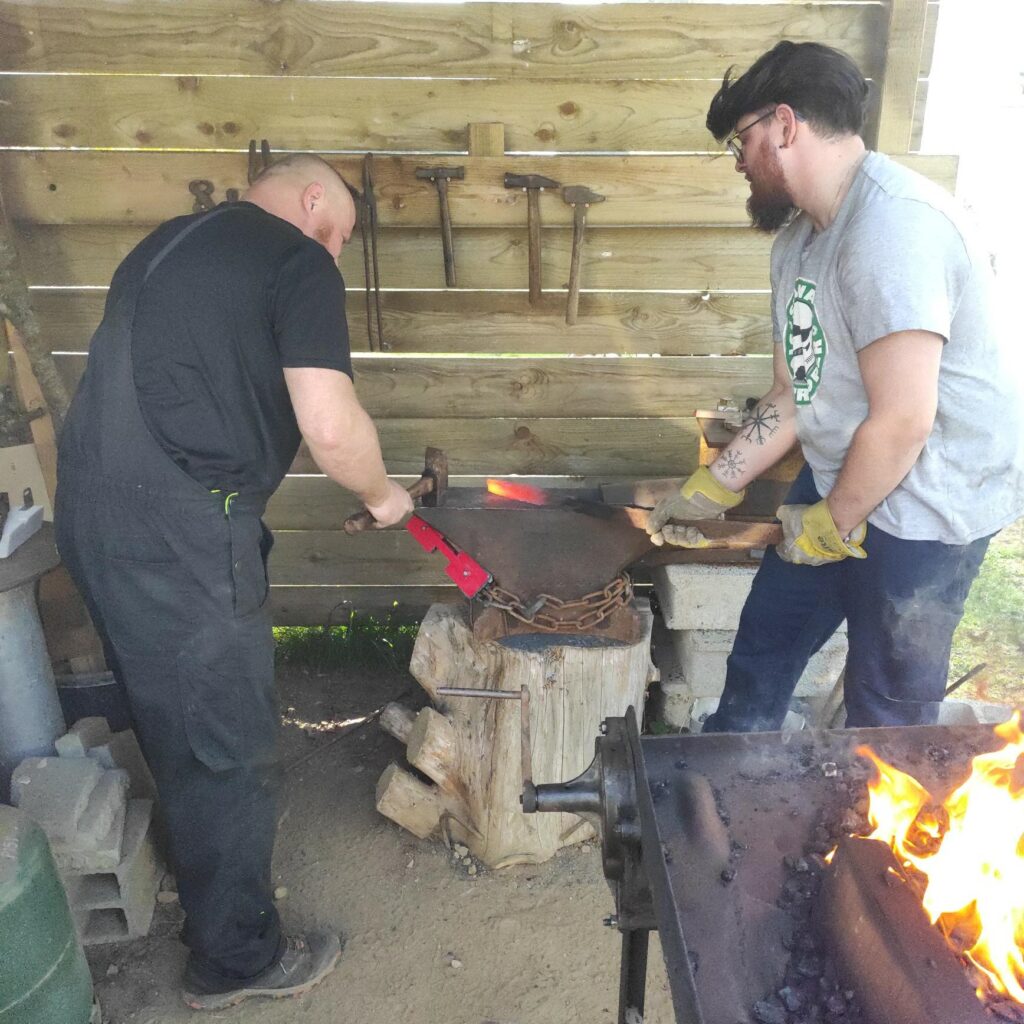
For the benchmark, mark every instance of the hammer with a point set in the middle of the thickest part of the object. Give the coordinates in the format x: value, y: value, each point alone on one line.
x: 440, y: 176
x: 430, y: 486
x: 579, y: 197
x: 532, y: 185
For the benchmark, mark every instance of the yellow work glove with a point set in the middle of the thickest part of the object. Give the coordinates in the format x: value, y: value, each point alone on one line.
x: 701, y: 497
x: 811, y: 537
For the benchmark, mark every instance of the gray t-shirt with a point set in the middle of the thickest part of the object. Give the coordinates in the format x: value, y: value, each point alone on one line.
x: 899, y: 257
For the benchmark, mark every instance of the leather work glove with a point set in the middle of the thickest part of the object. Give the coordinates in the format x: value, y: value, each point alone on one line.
x: 811, y: 537
x: 701, y: 497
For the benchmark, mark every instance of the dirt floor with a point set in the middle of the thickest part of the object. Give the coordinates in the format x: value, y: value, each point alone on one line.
x: 427, y: 942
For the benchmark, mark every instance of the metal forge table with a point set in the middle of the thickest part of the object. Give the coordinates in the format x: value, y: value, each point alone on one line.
x: 695, y: 830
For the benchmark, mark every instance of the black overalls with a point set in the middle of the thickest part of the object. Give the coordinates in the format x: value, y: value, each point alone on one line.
x: 174, y: 576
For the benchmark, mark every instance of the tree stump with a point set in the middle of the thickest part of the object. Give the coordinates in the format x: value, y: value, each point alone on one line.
x: 469, y: 747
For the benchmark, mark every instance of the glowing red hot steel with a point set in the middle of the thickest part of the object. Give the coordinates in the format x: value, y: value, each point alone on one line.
x: 517, y: 492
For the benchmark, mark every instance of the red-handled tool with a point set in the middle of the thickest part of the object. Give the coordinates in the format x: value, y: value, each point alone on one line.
x: 467, y: 574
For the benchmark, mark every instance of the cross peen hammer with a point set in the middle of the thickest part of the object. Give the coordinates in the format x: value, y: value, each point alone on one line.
x: 579, y: 197
x: 532, y: 185
x: 440, y: 176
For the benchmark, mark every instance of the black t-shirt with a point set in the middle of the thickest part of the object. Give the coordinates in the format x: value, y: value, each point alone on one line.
x: 218, y: 319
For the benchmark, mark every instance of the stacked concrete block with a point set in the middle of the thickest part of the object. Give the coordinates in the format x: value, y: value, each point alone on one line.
x: 701, y: 605
x: 99, y: 832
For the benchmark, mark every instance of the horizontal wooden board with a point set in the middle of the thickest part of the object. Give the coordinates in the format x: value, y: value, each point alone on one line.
x: 317, y: 503
x: 482, y: 321
x: 717, y: 259
x: 70, y: 187
x: 298, y: 37
x: 322, y: 606
x: 377, y: 114
x: 403, y: 387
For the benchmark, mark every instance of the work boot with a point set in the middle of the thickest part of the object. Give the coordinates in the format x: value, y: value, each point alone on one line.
x: 306, y: 961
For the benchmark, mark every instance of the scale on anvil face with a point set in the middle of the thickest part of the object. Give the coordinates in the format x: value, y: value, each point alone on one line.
x: 572, y: 545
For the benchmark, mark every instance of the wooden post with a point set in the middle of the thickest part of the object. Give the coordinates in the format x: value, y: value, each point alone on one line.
x: 902, y: 67
x: 470, y: 746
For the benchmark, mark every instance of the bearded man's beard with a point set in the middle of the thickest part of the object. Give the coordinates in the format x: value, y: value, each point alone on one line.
x: 769, y: 205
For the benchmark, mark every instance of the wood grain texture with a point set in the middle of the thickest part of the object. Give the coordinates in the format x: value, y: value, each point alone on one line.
x: 302, y: 38
x: 70, y: 187
x: 905, y: 45
x: 722, y: 323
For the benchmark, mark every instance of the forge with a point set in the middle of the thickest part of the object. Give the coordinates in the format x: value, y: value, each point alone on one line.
x: 718, y: 843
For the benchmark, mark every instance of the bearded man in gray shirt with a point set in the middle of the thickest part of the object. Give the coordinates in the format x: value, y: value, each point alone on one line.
x: 892, y: 371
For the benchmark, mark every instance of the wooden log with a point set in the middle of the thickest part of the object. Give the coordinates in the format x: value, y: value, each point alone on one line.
x: 396, y: 720
x: 433, y: 748
x: 409, y: 802
x: 571, y: 690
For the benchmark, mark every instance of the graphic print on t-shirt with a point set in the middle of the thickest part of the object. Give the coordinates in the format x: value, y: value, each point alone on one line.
x: 805, y: 342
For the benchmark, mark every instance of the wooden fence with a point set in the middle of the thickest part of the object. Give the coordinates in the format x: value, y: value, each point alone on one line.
x: 112, y: 107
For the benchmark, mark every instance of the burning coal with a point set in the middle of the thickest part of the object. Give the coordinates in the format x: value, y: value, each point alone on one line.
x: 517, y: 492
x: 970, y: 852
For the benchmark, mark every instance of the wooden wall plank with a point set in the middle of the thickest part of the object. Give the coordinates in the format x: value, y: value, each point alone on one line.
x: 315, y: 606
x: 483, y: 321
x: 403, y: 387
x: 905, y: 45
x: 297, y: 37
x: 719, y: 259
x: 378, y: 114
x: 69, y: 187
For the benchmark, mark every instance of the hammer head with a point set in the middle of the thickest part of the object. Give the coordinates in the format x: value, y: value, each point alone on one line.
x: 435, y: 469
x: 529, y: 181
x: 574, y: 195
x: 434, y: 173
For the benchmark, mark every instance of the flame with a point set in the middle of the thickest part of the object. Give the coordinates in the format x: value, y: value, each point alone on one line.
x: 517, y: 492
x: 970, y: 850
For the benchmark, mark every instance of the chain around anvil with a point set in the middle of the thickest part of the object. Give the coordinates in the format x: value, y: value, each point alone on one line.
x: 597, y: 606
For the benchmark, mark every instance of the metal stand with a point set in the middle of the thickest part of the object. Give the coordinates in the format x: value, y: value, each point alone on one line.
x: 633, y: 976
x: 30, y: 714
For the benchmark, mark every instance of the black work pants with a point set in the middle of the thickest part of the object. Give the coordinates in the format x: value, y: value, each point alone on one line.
x: 178, y: 593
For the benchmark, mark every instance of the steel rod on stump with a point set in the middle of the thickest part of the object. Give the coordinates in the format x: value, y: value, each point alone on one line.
x: 470, y: 747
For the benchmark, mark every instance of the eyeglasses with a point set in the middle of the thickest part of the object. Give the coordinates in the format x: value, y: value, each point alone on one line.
x: 735, y: 144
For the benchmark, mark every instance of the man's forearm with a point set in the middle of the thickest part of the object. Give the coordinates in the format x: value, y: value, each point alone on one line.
x: 767, y: 434
x: 880, y: 456
x: 354, y: 458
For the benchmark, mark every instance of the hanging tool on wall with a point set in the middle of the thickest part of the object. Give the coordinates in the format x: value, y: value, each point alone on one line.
x: 258, y: 162
x: 532, y: 185
x: 202, y: 190
x: 579, y: 197
x: 440, y: 176
x: 371, y: 270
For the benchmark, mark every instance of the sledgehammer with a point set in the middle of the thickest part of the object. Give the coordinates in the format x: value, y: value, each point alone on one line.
x: 430, y: 486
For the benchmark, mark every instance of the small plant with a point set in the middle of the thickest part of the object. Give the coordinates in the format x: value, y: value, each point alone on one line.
x: 362, y: 641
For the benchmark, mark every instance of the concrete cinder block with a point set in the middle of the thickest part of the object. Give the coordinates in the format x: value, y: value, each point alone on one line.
x: 55, y: 791
x: 702, y: 596
x: 105, y: 855
x: 117, y: 905
x: 107, y: 800
x: 85, y: 733
x: 122, y: 750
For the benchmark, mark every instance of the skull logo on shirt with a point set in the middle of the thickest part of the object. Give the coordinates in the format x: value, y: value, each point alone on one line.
x: 804, y: 341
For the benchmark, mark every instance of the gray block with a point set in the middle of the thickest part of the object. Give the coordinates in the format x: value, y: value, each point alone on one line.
x: 117, y: 905
x: 55, y: 791
x: 108, y: 799
x: 85, y: 733
x: 122, y: 750
x: 103, y: 856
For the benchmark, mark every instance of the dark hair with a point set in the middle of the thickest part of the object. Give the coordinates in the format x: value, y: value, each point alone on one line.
x: 821, y: 84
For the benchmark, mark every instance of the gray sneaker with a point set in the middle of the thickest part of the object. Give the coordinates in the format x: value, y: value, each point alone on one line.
x: 306, y: 961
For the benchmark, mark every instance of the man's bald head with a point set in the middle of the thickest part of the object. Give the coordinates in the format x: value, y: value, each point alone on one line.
x: 307, y: 191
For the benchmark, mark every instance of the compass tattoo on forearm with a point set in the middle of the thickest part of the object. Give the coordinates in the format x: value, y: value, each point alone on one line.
x: 731, y: 464
x: 762, y: 424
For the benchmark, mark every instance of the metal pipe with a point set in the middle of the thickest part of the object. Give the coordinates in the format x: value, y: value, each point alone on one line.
x: 30, y: 714
x: 461, y: 691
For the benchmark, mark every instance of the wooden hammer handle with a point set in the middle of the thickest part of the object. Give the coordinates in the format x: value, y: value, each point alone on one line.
x: 363, y: 520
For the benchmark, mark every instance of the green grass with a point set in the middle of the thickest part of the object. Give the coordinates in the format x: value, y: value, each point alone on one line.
x: 363, y: 641
x: 992, y: 629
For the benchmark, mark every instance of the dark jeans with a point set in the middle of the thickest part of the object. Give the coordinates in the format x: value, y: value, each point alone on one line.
x: 178, y: 594
x: 901, y: 604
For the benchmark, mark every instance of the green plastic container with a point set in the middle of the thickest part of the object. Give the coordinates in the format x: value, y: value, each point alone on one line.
x: 44, y: 977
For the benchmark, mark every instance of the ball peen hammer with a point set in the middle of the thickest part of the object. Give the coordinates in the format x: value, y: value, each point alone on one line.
x: 532, y: 185
x: 579, y: 197
x: 430, y: 486
x: 440, y: 176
